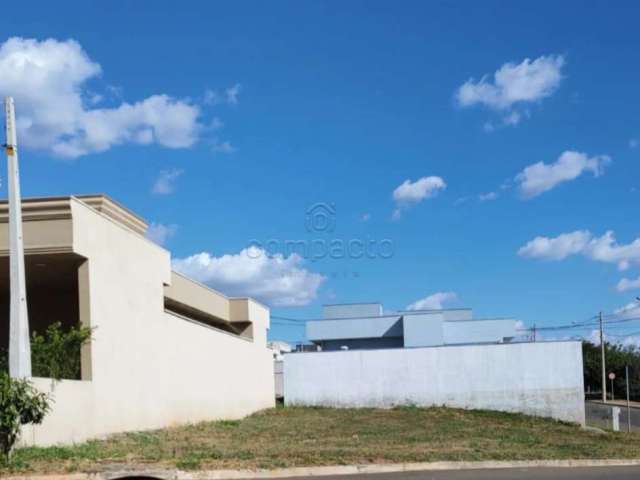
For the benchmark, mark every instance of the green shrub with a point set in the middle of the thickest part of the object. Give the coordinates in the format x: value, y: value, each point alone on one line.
x: 56, y: 353
x: 20, y: 404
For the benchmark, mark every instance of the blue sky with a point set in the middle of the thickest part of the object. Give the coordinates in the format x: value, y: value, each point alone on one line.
x: 224, y: 123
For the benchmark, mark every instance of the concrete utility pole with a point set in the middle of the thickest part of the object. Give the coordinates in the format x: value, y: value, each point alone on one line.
x: 534, y: 333
x: 19, y: 345
x: 626, y: 371
x: 604, y: 374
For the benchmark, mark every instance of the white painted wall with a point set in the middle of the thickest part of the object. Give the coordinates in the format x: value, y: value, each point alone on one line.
x: 278, y: 374
x: 543, y: 379
x: 478, y: 331
x: 72, y: 417
x: 149, y: 368
x: 423, y: 329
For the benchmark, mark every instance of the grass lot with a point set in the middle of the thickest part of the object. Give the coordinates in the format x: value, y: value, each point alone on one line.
x: 286, y: 437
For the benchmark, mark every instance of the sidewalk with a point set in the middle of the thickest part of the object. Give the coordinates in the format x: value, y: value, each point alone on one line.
x: 147, y: 471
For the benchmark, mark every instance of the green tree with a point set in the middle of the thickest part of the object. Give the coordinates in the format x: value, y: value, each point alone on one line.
x: 20, y: 404
x: 617, y: 357
x: 55, y: 353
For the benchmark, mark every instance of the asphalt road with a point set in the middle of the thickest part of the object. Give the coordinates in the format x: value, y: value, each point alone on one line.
x: 609, y: 473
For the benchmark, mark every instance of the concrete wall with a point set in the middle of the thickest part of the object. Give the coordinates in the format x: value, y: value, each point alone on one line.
x: 478, y: 331
x: 543, y: 379
x: 373, y: 327
x: 278, y: 377
x: 423, y: 329
x: 147, y: 368
x: 73, y: 416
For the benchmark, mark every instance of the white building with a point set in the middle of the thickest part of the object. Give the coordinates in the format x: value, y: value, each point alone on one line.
x: 165, y: 349
x: 367, y: 326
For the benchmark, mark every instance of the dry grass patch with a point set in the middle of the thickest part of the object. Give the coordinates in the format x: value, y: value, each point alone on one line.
x: 288, y: 437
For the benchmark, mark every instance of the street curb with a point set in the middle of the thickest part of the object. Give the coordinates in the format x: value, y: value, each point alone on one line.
x: 324, y: 471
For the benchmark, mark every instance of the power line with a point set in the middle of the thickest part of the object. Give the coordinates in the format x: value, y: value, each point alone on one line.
x: 579, y: 326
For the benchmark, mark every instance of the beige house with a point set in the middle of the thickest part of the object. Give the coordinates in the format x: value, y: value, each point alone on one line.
x: 165, y: 349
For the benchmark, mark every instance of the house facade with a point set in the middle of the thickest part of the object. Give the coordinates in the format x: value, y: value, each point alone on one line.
x: 165, y: 349
x: 368, y: 326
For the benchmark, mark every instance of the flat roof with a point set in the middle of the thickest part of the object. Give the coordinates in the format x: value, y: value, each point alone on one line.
x: 44, y: 208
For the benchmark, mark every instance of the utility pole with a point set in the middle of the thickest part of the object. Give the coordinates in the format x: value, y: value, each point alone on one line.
x: 613, y: 397
x: 19, y: 345
x: 626, y: 371
x: 534, y: 333
x: 604, y: 374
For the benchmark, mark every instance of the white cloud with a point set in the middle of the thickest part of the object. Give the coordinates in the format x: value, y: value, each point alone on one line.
x: 410, y: 193
x: 222, y: 146
x: 229, y: 96
x: 365, y: 217
x: 512, y: 87
x: 594, y: 337
x: 620, y: 339
x: 216, y: 124
x: 435, y: 301
x: 483, y: 197
x: 160, y: 233
x: 529, y: 81
x: 232, y: 93
x: 630, y: 341
x: 512, y: 118
x: 633, y: 143
x: 414, y: 192
x: 606, y: 249
x: 48, y: 81
x: 628, y: 284
x: 274, y: 279
x: 211, y: 97
x: 629, y: 310
x: 601, y: 249
x: 541, y: 177
x: 488, y: 127
x: 556, y: 248
x: 165, y: 183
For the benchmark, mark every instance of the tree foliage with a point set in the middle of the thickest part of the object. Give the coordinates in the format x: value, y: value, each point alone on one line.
x: 20, y: 404
x: 55, y: 353
x: 616, y: 357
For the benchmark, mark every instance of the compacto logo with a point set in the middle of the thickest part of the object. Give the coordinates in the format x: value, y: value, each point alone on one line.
x: 321, y: 217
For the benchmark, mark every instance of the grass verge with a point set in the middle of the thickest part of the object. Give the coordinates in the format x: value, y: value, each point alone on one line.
x: 296, y: 436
